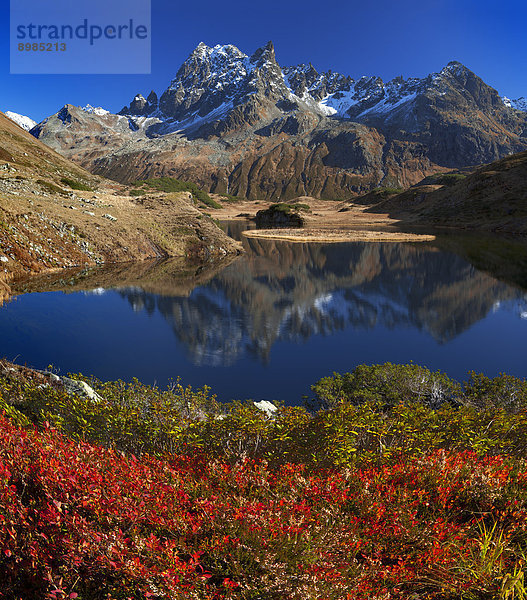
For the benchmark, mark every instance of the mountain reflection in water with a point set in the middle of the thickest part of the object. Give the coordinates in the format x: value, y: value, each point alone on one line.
x: 274, y: 321
x: 290, y: 292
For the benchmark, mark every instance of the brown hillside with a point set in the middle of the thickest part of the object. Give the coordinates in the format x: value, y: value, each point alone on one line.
x: 492, y: 198
x: 47, y: 224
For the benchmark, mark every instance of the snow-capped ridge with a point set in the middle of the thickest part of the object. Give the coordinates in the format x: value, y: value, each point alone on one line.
x: 222, y: 75
x: 518, y: 104
x: 96, y: 110
x: 216, y: 80
x: 23, y: 121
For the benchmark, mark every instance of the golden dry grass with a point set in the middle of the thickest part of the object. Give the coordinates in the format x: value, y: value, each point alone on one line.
x: 337, y: 235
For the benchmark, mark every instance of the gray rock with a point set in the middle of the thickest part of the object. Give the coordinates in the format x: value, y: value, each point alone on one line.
x: 80, y: 388
x: 266, y: 407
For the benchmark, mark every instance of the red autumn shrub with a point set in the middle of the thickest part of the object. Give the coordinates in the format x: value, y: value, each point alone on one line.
x: 81, y: 521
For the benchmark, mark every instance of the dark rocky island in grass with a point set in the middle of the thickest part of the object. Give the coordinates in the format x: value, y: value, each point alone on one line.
x: 281, y: 215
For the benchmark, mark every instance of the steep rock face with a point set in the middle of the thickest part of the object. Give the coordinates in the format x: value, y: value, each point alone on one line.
x: 241, y: 124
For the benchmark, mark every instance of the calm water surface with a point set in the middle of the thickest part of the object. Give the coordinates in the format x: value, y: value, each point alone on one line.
x: 279, y: 318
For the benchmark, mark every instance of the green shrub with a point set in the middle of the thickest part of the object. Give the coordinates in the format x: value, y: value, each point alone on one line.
x: 288, y: 208
x: 446, y: 179
x: 384, y: 192
x: 387, y: 383
x: 76, y: 185
x: 50, y: 187
x: 504, y: 391
x: 170, y: 185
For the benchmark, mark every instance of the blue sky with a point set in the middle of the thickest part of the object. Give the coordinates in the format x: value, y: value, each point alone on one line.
x: 384, y: 38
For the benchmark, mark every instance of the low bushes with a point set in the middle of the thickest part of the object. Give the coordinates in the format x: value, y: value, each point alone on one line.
x: 169, y: 184
x: 79, y: 521
x: 76, y: 185
x: 405, y: 485
x: 367, y: 417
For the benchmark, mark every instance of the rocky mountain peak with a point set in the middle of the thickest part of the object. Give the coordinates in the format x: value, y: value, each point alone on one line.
x: 263, y: 54
x: 210, y: 77
x: 141, y: 106
x: 206, y: 61
x: 265, y: 75
x: 240, y: 123
x: 152, y: 98
x: 466, y: 83
x: 454, y: 66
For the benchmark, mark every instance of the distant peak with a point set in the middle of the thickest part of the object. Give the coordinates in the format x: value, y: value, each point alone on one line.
x: 201, y: 47
x: 265, y: 52
x: 454, y: 67
x: 199, y: 52
x: 205, y: 52
x: 152, y: 98
x: 21, y: 120
x: 96, y: 110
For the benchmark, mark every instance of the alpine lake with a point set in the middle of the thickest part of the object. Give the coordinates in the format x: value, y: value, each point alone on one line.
x: 273, y: 321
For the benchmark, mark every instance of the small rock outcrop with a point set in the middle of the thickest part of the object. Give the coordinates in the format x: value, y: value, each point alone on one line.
x: 279, y: 215
x: 80, y: 388
x: 266, y: 407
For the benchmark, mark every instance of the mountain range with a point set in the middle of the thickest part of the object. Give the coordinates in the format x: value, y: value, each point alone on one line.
x: 243, y: 125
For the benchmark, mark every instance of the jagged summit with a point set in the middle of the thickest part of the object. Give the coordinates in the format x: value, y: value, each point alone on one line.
x: 455, y: 65
x: 242, y: 124
x: 216, y: 79
x: 265, y: 53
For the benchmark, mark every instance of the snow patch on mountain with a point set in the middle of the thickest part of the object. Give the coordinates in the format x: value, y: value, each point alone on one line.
x: 21, y: 120
x: 96, y: 110
x: 387, y: 105
x: 518, y: 104
x: 339, y: 103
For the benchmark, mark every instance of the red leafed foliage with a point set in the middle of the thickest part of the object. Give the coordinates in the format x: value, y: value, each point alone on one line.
x: 81, y: 521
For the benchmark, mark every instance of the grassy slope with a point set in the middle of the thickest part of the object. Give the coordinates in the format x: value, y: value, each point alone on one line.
x: 45, y: 224
x: 493, y: 198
